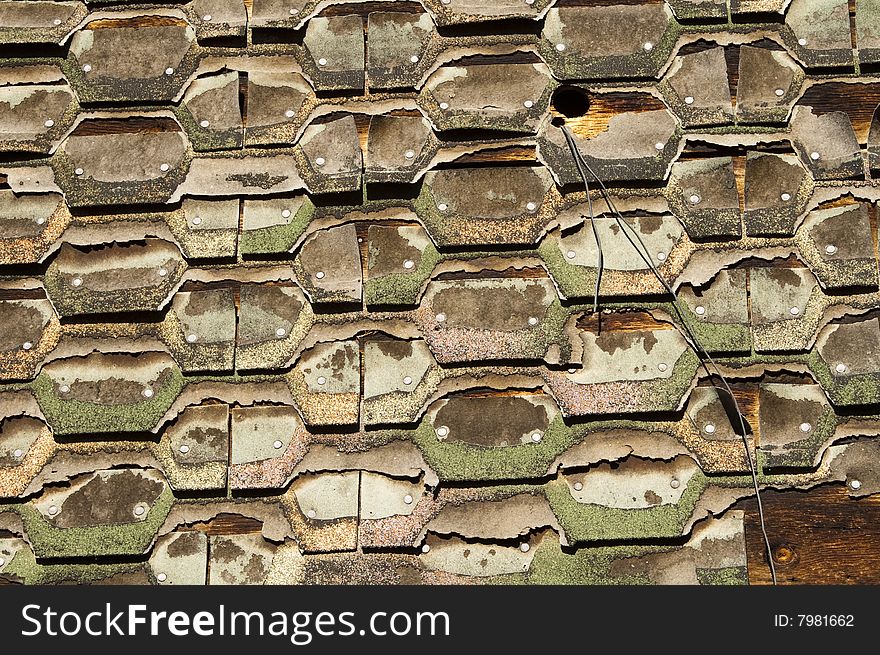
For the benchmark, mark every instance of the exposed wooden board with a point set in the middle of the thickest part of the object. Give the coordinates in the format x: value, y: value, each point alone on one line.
x: 621, y: 321
x: 138, y: 21
x: 603, y: 107
x: 134, y: 125
x: 858, y: 101
x: 819, y: 536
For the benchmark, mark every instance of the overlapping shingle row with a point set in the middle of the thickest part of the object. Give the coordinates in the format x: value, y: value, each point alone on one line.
x: 329, y: 267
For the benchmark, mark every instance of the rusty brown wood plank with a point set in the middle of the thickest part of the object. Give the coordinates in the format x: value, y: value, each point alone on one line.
x: 857, y: 100
x: 821, y: 536
x: 229, y: 524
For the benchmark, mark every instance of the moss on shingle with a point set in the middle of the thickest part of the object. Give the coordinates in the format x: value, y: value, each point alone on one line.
x: 129, y: 539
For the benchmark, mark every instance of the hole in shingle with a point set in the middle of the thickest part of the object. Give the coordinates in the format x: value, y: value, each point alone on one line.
x: 570, y: 101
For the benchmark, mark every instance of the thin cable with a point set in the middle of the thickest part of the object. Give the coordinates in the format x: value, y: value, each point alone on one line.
x: 601, y: 264
x: 690, y: 337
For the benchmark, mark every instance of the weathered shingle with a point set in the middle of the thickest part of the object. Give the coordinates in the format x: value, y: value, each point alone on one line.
x: 326, y: 273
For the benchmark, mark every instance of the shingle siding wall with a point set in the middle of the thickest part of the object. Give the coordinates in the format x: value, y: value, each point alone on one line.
x: 323, y: 273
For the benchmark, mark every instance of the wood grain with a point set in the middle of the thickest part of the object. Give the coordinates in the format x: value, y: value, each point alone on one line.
x: 821, y: 536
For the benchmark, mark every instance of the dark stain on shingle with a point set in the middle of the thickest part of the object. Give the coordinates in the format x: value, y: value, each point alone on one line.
x: 187, y: 543
x: 611, y: 342
x: 108, y: 501
x: 491, y: 421
x: 652, y: 498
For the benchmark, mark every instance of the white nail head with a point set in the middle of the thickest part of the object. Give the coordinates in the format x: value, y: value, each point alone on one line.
x: 57, y: 21
x: 322, y: 380
x: 147, y: 393
x: 661, y: 256
x: 674, y: 483
x: 191, y: 338
x: 700, y: 310
x: 414, y: 59
x: 320, y: 275
x: 205, y: 123
x: 426, y: 548
x: 530, y: 2
x: 444, y: 105
x: 536, y: 437
x: 709, y: 428
x: 445, y: 2
x: 27, y: 345
x: 442, y: 431
x: 694, y: 199
x: 689, y: 100
x: 311, y: 513
x: 277, y: 445
x: 802, y: 42
x: 289, y: 113
x: 49, y: 123
x: 441, y: 317
x: 533, y: 320
x: 408, y: 499
x: 77, y: 281
x: 528, y: 104
x: 578, y: 486
x: 659, y: 146
x: 161, y: 577
x: 524, y: 547
x: 794, y: 311
x: 814, y: 156
x: 442, y: 206
x: 662, y: 366
x: 322, y: 62
x: 408, y: 264
x: 164, y: 167
x: 841, y: 368
x: 17, y: 453
x: 280, y: 332
x: 780, y: 92
x: 293, y: 12
x: 806, y: 427
x: 648, y: 46
x: 531, y: 206
x: 409, y: 154
x: 855, y: 484
x: 184, y: 449
x: 87, y: 68
x: 169, y: 71
x: 64, y: 388
x: 78, y: 171
x: 207, y: 18
x: 830, y: 249
x: 41, y: 220
x: 285, y: 213
x: 407, y: 380
x: 785, y: 197
x: 196, y: 220
x: 320, y: 161
x: 571, y: 254
x: 53, y: 510
x: 560, y: 47
x: 163, y: 272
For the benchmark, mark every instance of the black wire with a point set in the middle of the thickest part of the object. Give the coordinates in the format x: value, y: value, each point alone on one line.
x: 690, y: 336
x: 601, y: 264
